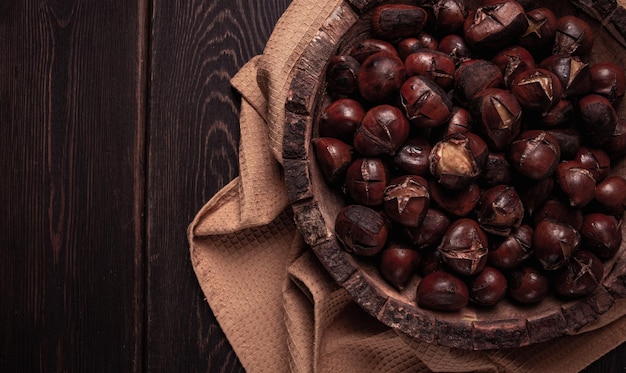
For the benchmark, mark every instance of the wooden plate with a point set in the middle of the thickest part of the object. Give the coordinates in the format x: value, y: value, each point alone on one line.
x: 315, y: 205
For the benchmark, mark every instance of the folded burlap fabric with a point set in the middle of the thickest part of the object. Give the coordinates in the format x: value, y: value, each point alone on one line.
x: 278, y: 307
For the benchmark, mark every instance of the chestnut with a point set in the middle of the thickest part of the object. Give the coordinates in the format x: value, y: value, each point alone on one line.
x: 573, y: 36
x: 367, y: 47
x: 568, y: 138
x: 608, y: 80
x: 456, y: 47
x: 412, y: 157
x: 497, y: 171
x: 460, y: 121
x: 340, y: 119
x: 554, y: 243
x: 601, y: 234
x: 383, y: 129
x: 366, y: 179
x: 500, y: 210
x: 392, y: 21
x: 341, y: 75
x: 361, y: 230
x: 464, y: 247
x: 431, y: 262
x: 406, y: 200
x: 398, y: 263
x: 426, y: 104
x: 449, y: 15
x: 527, y: 285
x: 436, y: 65
x: 442, y: 291
x: 494, y: 25
x: 333, y: 156
x: 412, y: 44
x: 535, y: 154
x: 534, y: 194
x: 561, y: 113
x: 580, y: 276
x: 615, y: 146
x: 573, y: 73
x: 488, y: 287
x: 511, y: 61
x: 555, y: 209
x: 428, y: 235
x: 537, y: 89
x: 577, y: 182
x: 514, y: 250
x: 598, y: 119
x: 610, y: 194
x: 541, y: 29
x: 380, y: 77
x: 497, y: 116
x: 458, y: 160
x: 458, y: 202
x: 474, y: 75
x: 595, y: 160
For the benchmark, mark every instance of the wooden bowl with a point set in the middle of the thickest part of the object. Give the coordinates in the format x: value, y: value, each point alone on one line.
x: 315, y: 205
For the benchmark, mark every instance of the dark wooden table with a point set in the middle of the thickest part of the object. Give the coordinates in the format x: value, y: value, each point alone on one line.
x: 117, y: 122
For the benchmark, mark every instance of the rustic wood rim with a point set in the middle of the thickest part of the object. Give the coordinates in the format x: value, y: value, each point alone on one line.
x: 314, y: 220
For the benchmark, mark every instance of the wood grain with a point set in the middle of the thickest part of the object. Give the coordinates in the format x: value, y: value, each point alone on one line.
x: 71, y: 233
x: 197, y: 47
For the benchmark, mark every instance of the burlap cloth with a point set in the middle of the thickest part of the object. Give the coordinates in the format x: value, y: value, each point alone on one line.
x: 278, y: 307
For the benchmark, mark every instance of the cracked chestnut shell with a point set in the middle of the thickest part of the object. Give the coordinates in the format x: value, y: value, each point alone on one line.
x: 425, y: 103
x: 458, y: 160
x: 573, y: 36
x: 577, y: 182
x: 333, y: 156
x: 442, y: 291
x: 528, y: 285
x: 514, y: 250
x: 512, y: 61
x: 412, y: 157
x: 494, y: 25
x: 449, y: 15
x: 392, y: 21
x: 535, y: 154
x: 367, y: 47
x: 398, y: 263
x: 341, y: 75
x: 380, y: 77
x: 488, y: 287
x: 537, y: 89
x: 340, y: 119
x: 556, y: 209
x: 406, y: 200
x: 366, y: 180
x: 541, y: 29
x: 554, y: 243
x: 464, y: 247
x: 500, y: 210
x: 436, y: 65
x: 456, y: 47
x: 595, y: 160
x: 580, y: 276
x: 608, y: 80
x: 474, y: 75
x: 573, y: 73
x: 361, y: 230
x: 497, y: 116
x: 601, y: 234
x: 383, y: 129
x: 428, y: 234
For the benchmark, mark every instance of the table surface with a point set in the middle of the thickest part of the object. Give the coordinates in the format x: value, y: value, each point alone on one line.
x: 117, y: 124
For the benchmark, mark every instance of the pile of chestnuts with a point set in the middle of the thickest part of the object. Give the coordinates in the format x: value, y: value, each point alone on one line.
x: 474, y: 149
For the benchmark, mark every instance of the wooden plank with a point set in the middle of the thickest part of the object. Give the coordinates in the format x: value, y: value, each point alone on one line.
x: 197, y: 47
x: 71, y: 238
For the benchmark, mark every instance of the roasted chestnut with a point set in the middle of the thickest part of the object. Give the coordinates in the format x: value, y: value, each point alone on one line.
x: 535, y: 154
x: 514, y: 250
x: 494, y: 24
x: 577, y: 182
x: 497, y: 116
x: 366, y: 179
x: 554, y: 243
x: 488, y: 287
x: 406, y: 200
x: 412, y: 157
x: 598, y: 119
x: 398, y: 263
x: 528, y: 285
x: 333, y: 156
x: 442, y: 291
x: 608, y: 80
x: 380, y: 77
x: 500, y: 210
x: 340, y: 119
x: 537, y: 89
x: 392, y: 21
x: 458, y: 202
x: 610, y: 194
x: 580, y: 276
x: 474, y: 75
x: 383, y: 129
x: 436, y: 65
x: 426, y: 104
x: 341, y: 75
x: 573, y: 36
x: 428, y: 235
x: 601, y: 234
x: 458, y: 160
x: 361, y: 230
x: 464, y: 247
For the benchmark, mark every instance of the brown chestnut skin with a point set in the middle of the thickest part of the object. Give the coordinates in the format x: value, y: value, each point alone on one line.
x: 615, y: 146
x: 398, y: 263
x: 573, y: 73
x: 474, y: 75
x: 527, y: 285
x: 497, y: 116
x: 412, y: 157
x: 497, y: 171
x: 406, y: 200
x: 413, y: 44
x: 365, y: 48
x: 488, y: 287
x: 580, y: 276
x: 428, y: 235
x: 500, y: 210
x: 383, y: 129
x: 514, y: 250
x: 601, y: 234
x: 340, y: 119
x: 560, y: 114
x: 541, y: 29
x: 535, y: 154
x: 333, y: 156
x: 556, y: 209
x: 361, y: 230
x: 554, y: 243
x: 460, y: 121
x: 568, y: 138
x: 431, y: 262
x: 449, y: 15
x: 513, y: 60
x: 366, y: 180
x: 434, y: 64
x: 573, y: 36
x: 442, y: 291
x: 456, y: 47
x: 494, y: 25
x: 577, y: 182
x: 341, y: 75
x: 537, y: 89
x: 535, y: 193
x: 598, y: 119
x: 458, y: 202
x: 608, y: 80
x: 380, y: 77
x: 610, y: 194
x: 425, y: 103
x: 595, y: 160
x: 458, y: 160
x: 393, y: 21
x: 464, y: 247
